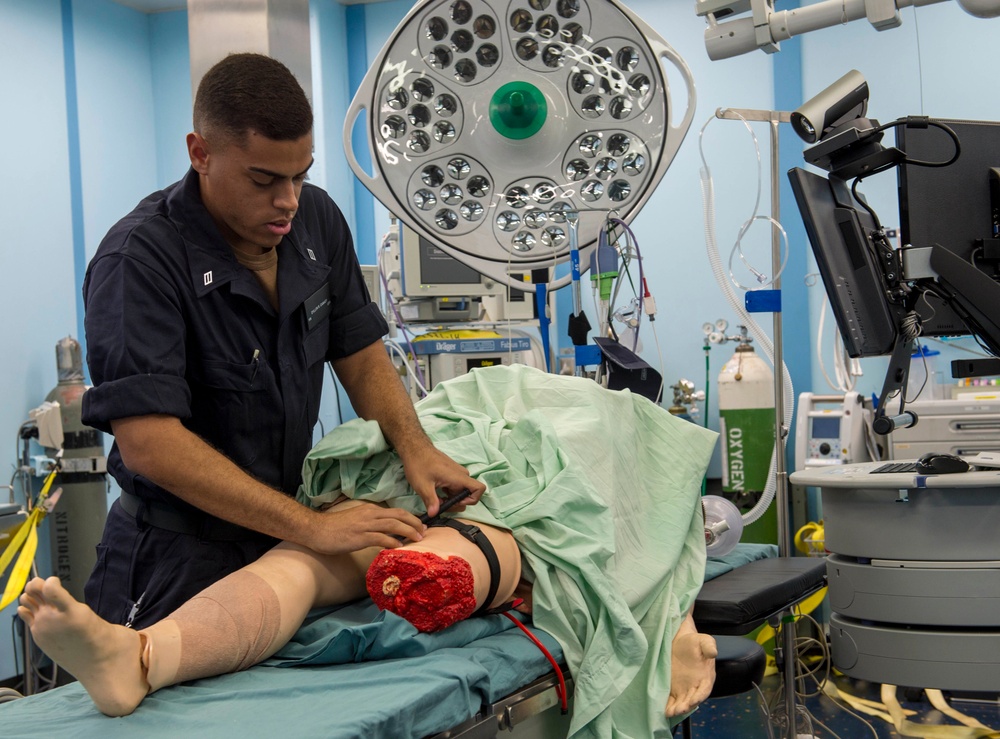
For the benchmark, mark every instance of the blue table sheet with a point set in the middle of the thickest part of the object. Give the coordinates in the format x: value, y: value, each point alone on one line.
x: 392, y: 682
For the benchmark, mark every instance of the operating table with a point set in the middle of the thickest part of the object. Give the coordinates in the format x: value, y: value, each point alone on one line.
x: 476, y: 679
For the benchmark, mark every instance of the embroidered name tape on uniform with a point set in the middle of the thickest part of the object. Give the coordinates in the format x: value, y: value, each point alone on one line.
x: 318, y: 306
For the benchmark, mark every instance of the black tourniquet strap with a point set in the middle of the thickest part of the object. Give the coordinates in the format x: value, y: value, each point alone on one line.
x: 477, y: 537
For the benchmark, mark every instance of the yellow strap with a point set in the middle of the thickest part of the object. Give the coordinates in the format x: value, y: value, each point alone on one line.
x: 26, y: 535
x: 45, y: 487
x: 928, y: 731
x: 15, y: 542
x: 858, y: 704
x: 936, y: 697
x: 19, y: 575
x: 811, y: 529
x: 892, y: 712
x: 766, y: 632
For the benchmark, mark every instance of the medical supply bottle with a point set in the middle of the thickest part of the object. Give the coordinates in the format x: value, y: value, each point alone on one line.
x: 746, y: 423
x: 77, y: 522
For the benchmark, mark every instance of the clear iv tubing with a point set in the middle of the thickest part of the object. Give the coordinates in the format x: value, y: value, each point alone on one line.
x: 763, y: 341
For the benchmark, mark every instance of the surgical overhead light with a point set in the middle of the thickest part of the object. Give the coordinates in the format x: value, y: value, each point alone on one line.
x: 765, y: 28
x: 489, y: 124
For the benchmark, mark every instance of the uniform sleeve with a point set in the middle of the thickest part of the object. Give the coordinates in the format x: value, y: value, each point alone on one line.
x: 354, y: 332
x: 357, y: 322
x: 135, y: 343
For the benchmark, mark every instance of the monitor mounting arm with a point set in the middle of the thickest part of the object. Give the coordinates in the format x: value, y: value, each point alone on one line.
x: 895, y: 384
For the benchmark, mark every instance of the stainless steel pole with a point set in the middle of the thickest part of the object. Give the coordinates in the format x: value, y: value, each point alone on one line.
x: 773, y: 118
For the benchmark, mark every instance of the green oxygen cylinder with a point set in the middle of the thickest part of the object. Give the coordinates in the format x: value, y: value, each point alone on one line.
x: 76, y: 524
x: 746, y: 424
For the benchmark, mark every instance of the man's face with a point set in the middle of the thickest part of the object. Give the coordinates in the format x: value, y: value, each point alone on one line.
x: 251, y: 190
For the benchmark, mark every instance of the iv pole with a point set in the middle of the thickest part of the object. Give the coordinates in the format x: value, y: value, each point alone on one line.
x: 773, y: 118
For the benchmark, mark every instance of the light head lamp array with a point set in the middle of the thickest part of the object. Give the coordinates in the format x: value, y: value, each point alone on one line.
x: 489, y: 122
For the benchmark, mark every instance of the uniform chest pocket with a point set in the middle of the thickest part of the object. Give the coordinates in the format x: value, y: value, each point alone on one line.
x: 316, y: 344
x: 241, y: 378
x: 230, y: 406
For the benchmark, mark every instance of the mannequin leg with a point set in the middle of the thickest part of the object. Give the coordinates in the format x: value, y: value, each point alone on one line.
x: 235, y: 623
x: 231, y: 625
x: 246, y: 617
x: 94, y: 651
x: 249, y: 615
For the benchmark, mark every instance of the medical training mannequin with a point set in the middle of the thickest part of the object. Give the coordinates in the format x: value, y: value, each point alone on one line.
x: 246, y: 617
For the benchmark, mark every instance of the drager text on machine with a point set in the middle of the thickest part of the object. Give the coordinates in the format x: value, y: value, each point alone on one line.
x: 473, y: 346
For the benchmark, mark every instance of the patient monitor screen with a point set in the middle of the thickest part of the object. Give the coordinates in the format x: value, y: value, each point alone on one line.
x: 826, y: 427
x: 429, y: 271
x: 849, y: 260
x: 439, y: 268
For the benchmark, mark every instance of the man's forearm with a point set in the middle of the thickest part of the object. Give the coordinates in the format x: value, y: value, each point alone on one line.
x: 377, y: 394
x: 162, y: 450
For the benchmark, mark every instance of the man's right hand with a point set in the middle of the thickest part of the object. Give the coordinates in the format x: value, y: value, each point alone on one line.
x: 355, y: 525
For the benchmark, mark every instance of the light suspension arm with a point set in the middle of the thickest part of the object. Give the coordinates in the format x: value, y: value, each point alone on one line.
x: 765, y: 28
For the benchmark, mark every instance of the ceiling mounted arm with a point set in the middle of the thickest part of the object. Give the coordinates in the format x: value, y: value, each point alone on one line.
x: 728, y: 36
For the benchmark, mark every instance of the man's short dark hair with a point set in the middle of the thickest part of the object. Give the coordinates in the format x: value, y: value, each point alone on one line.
x: 245, y: 92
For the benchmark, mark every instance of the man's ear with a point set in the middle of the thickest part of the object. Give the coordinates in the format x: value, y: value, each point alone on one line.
x: 198, y: 152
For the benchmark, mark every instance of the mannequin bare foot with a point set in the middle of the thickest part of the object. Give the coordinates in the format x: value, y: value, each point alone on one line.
x: 692, y: 671
x: 104, y: 657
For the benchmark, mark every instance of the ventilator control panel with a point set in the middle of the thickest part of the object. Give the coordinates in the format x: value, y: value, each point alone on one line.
x: 830, y: 430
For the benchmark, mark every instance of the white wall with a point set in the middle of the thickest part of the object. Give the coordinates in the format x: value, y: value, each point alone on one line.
x: 39, y: 289
x: 170, y: 63
x: 332, y: 93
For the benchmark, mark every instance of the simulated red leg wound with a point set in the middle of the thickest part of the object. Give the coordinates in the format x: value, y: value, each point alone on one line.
x: 430, y: 592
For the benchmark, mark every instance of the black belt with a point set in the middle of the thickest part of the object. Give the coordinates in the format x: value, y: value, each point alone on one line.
x: 163, y: 516
x: 477, y: 537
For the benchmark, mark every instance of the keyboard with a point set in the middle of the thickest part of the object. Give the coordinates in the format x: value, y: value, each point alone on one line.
x: 896, y: 467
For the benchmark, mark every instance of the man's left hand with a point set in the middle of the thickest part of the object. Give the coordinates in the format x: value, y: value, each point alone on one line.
x: 429, y: 470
